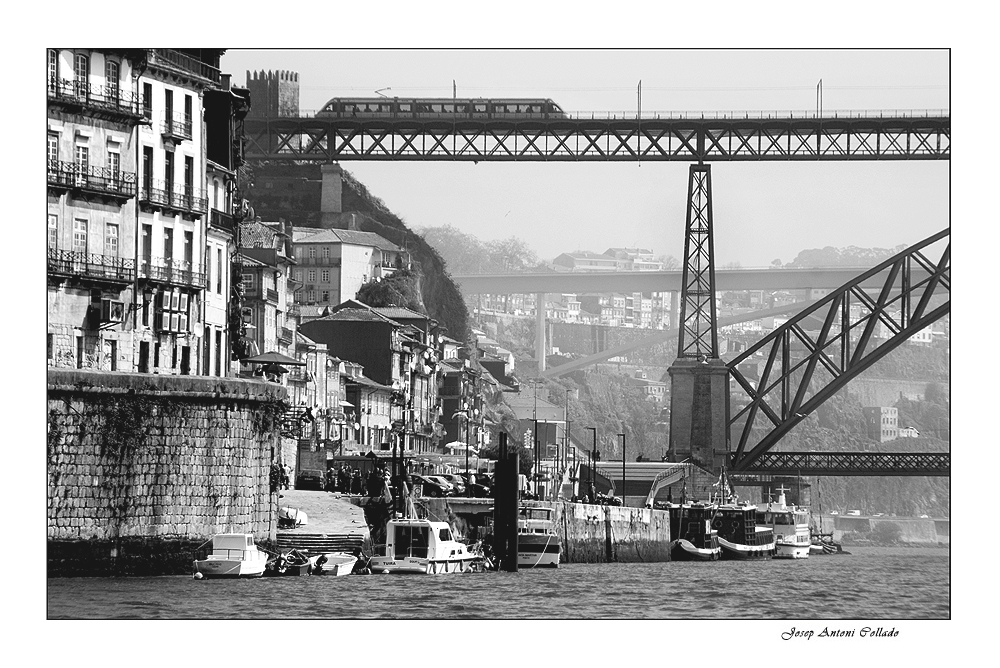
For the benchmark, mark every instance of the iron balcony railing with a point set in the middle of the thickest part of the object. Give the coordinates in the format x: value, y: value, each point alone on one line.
x: 101, y: 98
x: 175, y: 272
x: 271, y: 295
x: 185, y: 62
x: 95, y: 179
x: 285, y: 335
x: 76, y: 263
x: 162, y: 193
x: 222, y: 221
x: 177, y: 126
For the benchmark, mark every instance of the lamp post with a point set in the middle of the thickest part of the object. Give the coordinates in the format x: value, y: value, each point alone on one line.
x: 593, y: 462
x: 623, y: 468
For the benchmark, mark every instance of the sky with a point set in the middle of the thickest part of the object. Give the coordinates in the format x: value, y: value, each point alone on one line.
x: 762, y: 211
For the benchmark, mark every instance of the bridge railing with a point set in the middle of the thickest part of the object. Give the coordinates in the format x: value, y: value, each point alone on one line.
x: 760, y: 114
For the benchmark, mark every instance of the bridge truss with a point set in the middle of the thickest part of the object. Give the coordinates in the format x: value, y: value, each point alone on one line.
x: 808, y: 359
x: 687, y: 139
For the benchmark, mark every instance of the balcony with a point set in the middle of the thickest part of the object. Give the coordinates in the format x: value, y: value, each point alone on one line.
x: 172, y: 272
x: 93, y: 180
x: 178, y: 60
x: 285, y: 335
x: 176, y: 127
x: 107, y: 101
x: 271, y: 295
x: 221, y: 220
x: 99, y: 267
x: 173, y: 196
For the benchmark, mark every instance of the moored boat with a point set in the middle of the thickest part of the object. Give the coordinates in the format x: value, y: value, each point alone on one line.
x: 694, y: 539
x: 232, y: 555
x: 334, y: 563
x: 538, y: 544
x: 790, y: 525
x: 739, y: 535
x: 292, y: 562
x: 421, y: 546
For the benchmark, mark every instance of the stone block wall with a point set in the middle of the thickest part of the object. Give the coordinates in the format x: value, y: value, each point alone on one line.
x: 142, y: 468
x: 595, y: 534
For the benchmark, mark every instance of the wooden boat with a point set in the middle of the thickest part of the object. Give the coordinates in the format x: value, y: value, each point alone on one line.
x: 421, y: 546
x: 694, y: 539
x: 232, y: 555
x: 334, y: 563
x: 790, y: 525
x: 292, y: 562
x: 538, y: 544
x: 739, y: 536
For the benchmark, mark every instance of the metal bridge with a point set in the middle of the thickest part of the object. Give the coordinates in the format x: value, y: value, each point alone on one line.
x: 800, y: 382
x: 751, y: 136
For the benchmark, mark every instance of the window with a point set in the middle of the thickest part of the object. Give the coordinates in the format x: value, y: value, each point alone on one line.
x: 326, y: 295
x: 52, y: 150
x: 144, y: 357
x: 248, y: 281
x: 326, y: 252
x: 53, y: 70
x: 325, y: 276
x: 112, y: 86
x: 218, y: 271
x: 312, y: 253
x: 79, y: 235
x: 168, y: 244
x: 187, y: 109
x: 147, y: 168
x: 113, y: 354
x: 53, y: 231
x: 111, y: 239
x: 82, y: 159
x: 188, y: 249
x: 79, y: 352
x: 311, y: 276
x: 218, y: 352
x: 147, y: 100
x: 168, y: 177
x: 188, y: 177
x: 168, y: 105
x: 48, y: 346
x: 147, y: 243
x: 81, y: 70
x: 114, y: 161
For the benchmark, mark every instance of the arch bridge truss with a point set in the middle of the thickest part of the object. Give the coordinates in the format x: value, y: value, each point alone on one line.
x: 798, y: 366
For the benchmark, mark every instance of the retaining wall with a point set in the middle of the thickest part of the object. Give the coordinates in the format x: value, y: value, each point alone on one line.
x: 143, y: 468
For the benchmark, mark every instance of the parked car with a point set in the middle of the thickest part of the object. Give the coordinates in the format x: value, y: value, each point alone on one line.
x: 457, y: 483
x: 309, y: 479
x: 441, y: 481
x: 430, y: 488
x: 477, y: 486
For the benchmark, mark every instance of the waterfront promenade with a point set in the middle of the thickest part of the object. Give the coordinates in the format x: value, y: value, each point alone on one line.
x: 333, y: 522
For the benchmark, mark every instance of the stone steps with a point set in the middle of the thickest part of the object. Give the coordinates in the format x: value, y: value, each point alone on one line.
x: 318, y: 542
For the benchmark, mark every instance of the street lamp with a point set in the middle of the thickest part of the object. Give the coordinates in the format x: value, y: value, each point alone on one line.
x: 623, y: 468
x: 593, y: 461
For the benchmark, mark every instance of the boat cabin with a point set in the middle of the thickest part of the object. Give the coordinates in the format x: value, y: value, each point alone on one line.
x: 533, y: 519
x: 232, y: 545
x: 419, y: 538
x: 739, y: 524
x: 782, y: 517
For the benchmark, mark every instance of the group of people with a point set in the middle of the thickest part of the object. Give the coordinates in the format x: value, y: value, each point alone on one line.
x: 344, y: 480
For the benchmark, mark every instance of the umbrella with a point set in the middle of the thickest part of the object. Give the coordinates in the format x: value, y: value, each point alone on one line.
x: 273, y: 357
x: 274, y: 368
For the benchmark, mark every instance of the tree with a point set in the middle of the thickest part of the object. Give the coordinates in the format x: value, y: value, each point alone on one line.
x: 462, y: 253
x: 887, y: 533
x: 399, y: 289
x: 505, y: 256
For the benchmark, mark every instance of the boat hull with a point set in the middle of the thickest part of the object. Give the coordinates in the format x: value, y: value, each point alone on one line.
x: 419, y: 566
x: 783, y: 550
x: 684, y: 550
x: 229, y: 568
x: 731, y: 551
x: 538, y: 550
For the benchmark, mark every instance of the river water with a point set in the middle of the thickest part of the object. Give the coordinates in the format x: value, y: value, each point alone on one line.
x: 869, y: 584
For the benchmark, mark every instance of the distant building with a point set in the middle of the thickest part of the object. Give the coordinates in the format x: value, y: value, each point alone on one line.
x: 882, y: 422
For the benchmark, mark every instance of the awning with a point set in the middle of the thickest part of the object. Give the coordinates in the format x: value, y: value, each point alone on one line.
x: 347, y: 404
x: 273, y: 357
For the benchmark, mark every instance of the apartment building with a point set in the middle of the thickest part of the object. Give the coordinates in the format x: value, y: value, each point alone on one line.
x: 335, y: 263
x: 93, y: 111
x: 264, y: 266
x: 883, y: 422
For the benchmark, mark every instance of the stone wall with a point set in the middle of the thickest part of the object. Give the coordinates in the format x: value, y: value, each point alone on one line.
x: 143, y: 468
x: 592, y: 533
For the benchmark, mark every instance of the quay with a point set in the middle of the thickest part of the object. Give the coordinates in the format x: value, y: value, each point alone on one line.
x: 333, y: 522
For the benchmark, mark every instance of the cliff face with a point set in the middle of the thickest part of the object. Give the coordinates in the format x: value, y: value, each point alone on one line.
x: 293, y: 193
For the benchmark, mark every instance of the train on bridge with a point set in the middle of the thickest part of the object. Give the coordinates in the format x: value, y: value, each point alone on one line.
x: 442, y: 108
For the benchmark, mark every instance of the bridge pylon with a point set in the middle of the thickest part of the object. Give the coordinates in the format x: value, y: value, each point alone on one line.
x: 699, y: 385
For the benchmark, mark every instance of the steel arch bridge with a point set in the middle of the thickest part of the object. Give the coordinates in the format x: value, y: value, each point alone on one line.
x: 751, y: 136
x: 813, y: 355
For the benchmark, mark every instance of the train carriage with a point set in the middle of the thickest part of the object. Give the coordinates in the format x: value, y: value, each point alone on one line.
x: 441, y: 108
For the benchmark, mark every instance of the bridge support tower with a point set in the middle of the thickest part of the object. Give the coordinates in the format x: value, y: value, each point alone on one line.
x: 699, y: 383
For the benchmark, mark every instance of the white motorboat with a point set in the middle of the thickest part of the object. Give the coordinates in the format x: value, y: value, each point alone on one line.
x: 538, y: 544
x: 790, y: 525
x: 421, y: 546
x: 334, y: 563
x: 233, y: 555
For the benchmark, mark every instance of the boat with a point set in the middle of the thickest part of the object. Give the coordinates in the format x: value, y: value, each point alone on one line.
x: 292, y: 562
x: 739, y: 535
x: 334, y: 563
x: 233, y: 555
x: 289, y: 518
x: 695, y: 540
x: 538, y: 544
x: 790, y: 525
x: 420, y: 546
